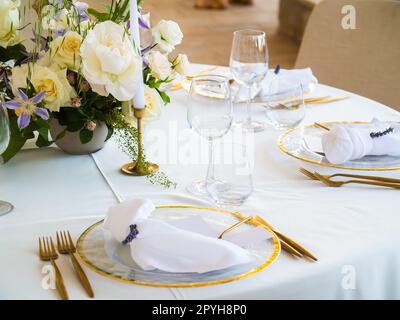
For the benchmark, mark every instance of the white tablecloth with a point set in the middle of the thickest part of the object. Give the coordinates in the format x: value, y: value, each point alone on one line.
x: 354, y: 230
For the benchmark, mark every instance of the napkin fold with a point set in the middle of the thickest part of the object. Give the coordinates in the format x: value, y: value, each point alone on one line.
x: 345, y: 142
x: 277, y: 83
x: 163, y: 246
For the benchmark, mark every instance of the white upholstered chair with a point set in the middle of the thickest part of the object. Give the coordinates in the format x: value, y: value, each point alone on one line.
x: 364, y: 60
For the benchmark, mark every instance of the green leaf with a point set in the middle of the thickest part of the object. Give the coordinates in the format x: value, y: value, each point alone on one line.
x: 110, y: 132
x: 165, y: 97
x: 43, y: 142
x: 17, y: 53
x: 100, y: 16
x: 75, y: 126
x: 85, y: 135
x: 61, y: 135
x: 17, y: 140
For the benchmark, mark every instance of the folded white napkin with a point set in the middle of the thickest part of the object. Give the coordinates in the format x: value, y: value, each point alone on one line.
x: 163, y: 246
x: 345, y: 142
x: 277, y: 83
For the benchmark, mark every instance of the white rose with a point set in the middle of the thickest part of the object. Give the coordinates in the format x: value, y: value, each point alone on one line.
x: 54, y: 82
x: 167, y: 35
x: 182, y: 64
x: 48, y: 15
x: 65, y: 51
x: 159, y: 65
x: 154, y: 106
x: 9, y: 22
x: 109, y: 62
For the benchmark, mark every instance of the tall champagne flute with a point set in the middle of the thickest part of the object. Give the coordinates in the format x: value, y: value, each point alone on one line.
x: 249, y: 67
x: 5, y: 207
x: 210, y: 114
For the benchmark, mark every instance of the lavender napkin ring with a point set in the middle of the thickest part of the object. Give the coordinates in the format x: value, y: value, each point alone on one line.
x: 132, y: 234
x: 374, y: 135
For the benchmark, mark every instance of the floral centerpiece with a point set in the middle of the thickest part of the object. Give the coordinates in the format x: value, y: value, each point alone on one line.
x: 82, y: 71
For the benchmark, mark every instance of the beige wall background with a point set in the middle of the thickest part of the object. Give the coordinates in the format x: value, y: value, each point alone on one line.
x: 208, y: 33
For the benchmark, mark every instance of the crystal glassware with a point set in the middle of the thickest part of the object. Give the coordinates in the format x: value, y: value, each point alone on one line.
x: 210, y: 114
x: 5, y: 207
x: 249, y: 67
x: 232, y: 182
x: 286, y: 109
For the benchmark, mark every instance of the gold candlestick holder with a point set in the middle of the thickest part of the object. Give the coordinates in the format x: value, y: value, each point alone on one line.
x: 140, y: 167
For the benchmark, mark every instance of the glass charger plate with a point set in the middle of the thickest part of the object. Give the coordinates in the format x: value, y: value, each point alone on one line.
x: 292, y: 142
x: 258, y: 100
x: 112, y: 260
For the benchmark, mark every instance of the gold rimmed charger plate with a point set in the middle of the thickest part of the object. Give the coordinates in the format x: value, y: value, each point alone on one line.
x: 292, y: 143
x: 91, y: 250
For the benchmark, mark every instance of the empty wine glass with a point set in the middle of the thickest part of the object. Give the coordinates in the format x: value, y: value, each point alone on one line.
x: 232, y: 182
x: 5, y: 207
x: 249, y: 67
x: 210, y: 114
x: 286, y: 109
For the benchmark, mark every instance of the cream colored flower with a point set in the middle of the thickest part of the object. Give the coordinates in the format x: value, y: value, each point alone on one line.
x: 9, y: 22
x: 63, y: 19
x: 159, y: 65
x: 109, y: 62
x: 65, y: 51
x: 182, y: 64
x: 48, y: 15
x: 167, y: 35
x: 54, y: 82
x: 154, y: 106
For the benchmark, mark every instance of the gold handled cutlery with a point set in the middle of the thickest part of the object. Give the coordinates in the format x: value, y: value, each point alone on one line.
x: 65, y: 245
x: 287, y: 244
x: 47, y: 252
x: 346, y: 175
x: 285, y: 239
x: 327, y: 180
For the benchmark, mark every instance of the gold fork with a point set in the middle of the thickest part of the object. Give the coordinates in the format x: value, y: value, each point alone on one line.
x: 65, y: 245
x: 285, y: 246
x: 331, y: 183
x: 346, y: 175
x: 47, y: 252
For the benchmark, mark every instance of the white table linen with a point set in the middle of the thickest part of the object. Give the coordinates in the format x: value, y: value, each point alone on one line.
x: 354, y: 230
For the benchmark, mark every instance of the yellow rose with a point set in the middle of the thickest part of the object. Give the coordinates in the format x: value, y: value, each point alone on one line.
x: 53, y: 82
x: 64, y: 51
x: 9, y: 22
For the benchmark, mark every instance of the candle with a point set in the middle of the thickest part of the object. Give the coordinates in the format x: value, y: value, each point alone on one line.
x: 139, y: 101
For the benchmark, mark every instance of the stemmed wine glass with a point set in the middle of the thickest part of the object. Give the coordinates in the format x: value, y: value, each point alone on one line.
x: 249, y: 67
x: 210, y: 114
x: 5, y: 207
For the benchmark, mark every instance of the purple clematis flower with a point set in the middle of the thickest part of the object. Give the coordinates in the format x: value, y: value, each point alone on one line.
x: 81, y: 8
x: 26, y: 107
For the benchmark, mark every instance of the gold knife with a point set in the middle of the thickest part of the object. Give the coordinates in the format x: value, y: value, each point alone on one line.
x: 288, y: 240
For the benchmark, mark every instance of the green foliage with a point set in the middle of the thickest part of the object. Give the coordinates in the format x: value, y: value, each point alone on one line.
x: 127, y: 139
x: 16, y: 53
x: 85, y: 135
x: 117, y: 11
x: 17, y: 139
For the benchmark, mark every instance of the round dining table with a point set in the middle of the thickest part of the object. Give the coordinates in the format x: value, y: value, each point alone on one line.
x: 353, y: 230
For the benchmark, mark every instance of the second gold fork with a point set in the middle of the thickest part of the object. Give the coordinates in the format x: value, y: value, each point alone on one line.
x: 65, y: 245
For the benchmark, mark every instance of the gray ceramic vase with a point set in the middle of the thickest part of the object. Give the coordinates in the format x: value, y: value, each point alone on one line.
x: 71, y: 142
